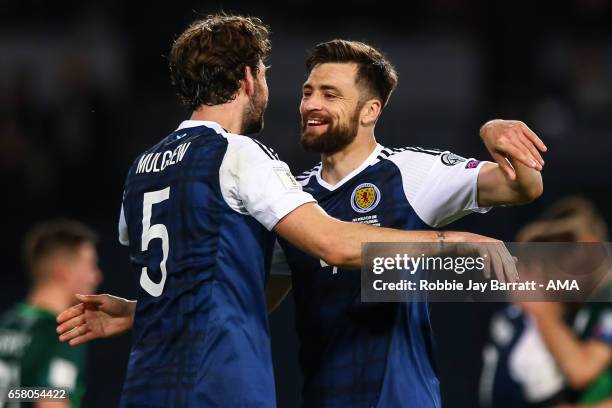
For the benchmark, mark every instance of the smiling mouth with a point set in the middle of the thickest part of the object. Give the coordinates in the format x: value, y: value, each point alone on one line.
x: 313, y: 123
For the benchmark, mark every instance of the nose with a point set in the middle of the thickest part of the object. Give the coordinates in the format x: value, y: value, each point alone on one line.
x: 310, y: 104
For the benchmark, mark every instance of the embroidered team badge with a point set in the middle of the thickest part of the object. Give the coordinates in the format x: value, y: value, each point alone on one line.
x: 365, y: 197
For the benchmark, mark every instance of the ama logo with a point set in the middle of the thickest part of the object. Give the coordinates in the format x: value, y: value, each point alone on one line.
x: 365, y: 197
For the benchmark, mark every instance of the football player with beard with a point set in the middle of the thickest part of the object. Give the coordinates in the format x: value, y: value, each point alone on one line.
x: 354, y: 353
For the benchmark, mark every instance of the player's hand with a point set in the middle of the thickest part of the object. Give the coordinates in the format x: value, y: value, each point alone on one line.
x: 497, y: 258
x: 512, y: 139
x: 97, y: 316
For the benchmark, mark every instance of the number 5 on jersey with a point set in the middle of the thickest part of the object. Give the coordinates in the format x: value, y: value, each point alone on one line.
x: 150, y: 232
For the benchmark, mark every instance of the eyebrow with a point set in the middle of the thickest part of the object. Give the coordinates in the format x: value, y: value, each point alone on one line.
x: 323, y: 87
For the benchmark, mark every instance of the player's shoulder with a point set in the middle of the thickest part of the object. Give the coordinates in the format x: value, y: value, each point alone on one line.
x: 410, y: 157
x: 249, y: 146
x: 38, y: 323
x: 304, y: 177
x: 413, y: 156
x: 183, y: 135
x: 409, y: 153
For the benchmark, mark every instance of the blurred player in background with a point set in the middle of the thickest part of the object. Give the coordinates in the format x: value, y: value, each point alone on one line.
x: 381, y: 354
x: 198, y: 213
x: 551, y: 354
x: 61, y: 258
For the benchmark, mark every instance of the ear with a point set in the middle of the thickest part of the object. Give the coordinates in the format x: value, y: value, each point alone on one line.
x: 370, y: 112
x: 249, y: 81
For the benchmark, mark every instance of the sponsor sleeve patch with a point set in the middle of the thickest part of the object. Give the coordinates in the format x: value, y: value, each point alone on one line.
x: 287, y: 178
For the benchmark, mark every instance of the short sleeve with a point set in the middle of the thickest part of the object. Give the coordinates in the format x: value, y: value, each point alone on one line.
x: 254, y: 181
x: 441, y: 186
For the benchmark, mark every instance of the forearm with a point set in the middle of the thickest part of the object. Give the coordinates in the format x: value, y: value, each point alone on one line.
x: 561, y: 342
x: 579, y: 367
x: 528, y: 184
x: 338, y: 243
x: 495, y: 187
x: 348, y: 240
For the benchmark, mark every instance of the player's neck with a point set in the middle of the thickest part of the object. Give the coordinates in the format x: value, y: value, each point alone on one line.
x: 49, y: 297
x: 337, y: 166
x: 225, y: 115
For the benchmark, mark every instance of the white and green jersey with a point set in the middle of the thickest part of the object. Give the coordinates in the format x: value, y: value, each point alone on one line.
x: 32, y: 356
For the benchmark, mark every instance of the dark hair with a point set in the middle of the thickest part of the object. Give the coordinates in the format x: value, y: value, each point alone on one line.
x: 374, y: 71
x: 208, y: 60
x: 48, y: 238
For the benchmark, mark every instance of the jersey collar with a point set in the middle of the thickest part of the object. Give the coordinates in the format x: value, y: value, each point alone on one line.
x: 371, y: 159
x: 31, y: 311
x: 195, y: 123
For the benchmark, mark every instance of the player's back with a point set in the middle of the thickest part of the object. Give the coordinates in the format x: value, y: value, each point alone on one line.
x: 200, y: 332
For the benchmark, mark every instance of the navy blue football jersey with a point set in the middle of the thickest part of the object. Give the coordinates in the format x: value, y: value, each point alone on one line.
x: 197, y: 212
x: 357, y: 354
x: 518, y: 370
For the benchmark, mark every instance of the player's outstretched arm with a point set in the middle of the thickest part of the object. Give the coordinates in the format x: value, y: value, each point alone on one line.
x: 516, y: 178
x: 338, y: 243
x: 582, y: 361
x: 97, y: 316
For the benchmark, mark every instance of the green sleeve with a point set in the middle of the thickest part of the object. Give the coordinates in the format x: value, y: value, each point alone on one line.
x: 599, y: 391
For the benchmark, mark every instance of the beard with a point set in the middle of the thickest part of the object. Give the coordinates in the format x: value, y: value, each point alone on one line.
x: 337, y: 137
x: 253, y: 115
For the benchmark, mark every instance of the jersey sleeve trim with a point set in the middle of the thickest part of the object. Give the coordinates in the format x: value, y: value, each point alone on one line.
x: 255, y: 182
x: 475, y: 207
x: 267, y: 150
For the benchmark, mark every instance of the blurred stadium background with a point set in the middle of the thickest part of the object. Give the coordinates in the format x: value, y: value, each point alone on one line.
x: 84, y: 88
